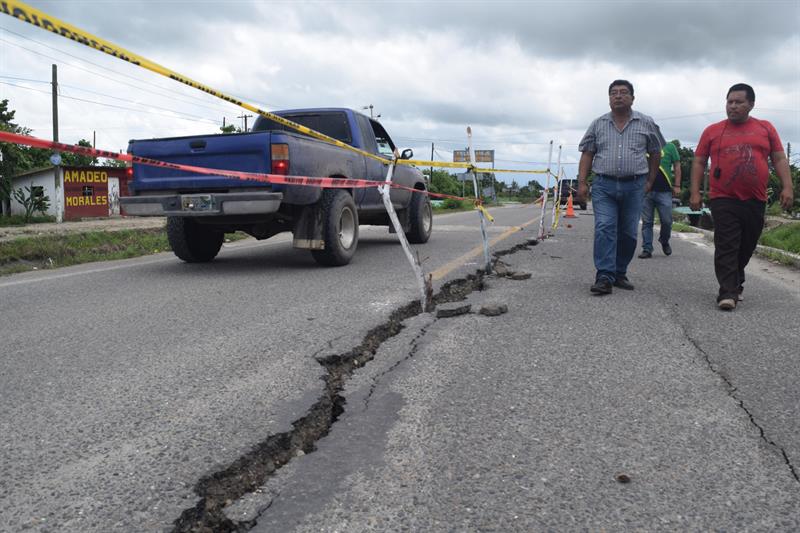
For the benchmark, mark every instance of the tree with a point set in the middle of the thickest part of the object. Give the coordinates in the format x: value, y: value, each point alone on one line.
x: 230, y: 128
x: 16, y: 159
x: 79, y: 160
x: 443, y: 182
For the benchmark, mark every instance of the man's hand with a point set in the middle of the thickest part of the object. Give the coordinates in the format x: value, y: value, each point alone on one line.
x: 787, y: 199
x: 695, y: 201
x: 676, y: 191
x: 583, y: 192
x: 648, y: 187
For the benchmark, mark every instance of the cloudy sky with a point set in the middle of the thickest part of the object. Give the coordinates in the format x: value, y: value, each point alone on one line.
x: 520, y: 73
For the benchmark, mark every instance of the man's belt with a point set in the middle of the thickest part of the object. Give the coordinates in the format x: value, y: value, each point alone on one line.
x: 619, y: 178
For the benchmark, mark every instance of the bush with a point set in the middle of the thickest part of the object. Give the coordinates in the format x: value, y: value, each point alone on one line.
x: 451, y: 203
x: 32, y: 199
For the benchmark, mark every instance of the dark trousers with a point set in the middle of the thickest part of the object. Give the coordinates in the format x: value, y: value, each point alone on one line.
x: 737, y: 227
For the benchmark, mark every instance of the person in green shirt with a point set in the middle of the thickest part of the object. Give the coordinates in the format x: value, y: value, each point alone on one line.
x: 666, y: 185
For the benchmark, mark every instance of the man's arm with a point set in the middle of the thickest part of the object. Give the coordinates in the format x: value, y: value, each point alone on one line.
x: 781, y: 164
x: 653, y: 161
x: 584, y: 169
x: 676, y: 183
x: 698, y: 168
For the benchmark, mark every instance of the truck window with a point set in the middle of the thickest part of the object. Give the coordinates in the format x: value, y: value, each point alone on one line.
x: 385, y: 144
x: 333, y: 124
x: 366, y: 133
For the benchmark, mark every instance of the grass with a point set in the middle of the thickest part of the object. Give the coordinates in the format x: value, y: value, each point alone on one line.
x: 54, y: 251
x: 680, y: 227
x: 19, y: 220
x: 784, y: 237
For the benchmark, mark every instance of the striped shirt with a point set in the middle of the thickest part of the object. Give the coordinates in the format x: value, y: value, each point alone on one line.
x: 622, y: 153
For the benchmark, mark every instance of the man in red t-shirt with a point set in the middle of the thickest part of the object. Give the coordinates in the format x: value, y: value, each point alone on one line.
x: 739, y: 148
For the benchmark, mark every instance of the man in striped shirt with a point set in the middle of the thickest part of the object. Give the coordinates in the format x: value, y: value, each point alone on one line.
x: 615, y: 148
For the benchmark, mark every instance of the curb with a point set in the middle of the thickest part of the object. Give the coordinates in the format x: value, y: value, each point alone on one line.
x: 766, y: 252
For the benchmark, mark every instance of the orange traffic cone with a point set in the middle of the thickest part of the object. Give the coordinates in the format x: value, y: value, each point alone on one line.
x: 570, y: 209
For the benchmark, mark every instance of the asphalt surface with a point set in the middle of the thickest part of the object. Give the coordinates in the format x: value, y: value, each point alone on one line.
x: 525, y: 421
x: 124, y: 383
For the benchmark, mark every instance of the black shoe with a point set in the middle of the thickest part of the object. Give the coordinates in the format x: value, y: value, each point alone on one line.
x: 623, y: 283
x: 645, y: 255
x: 666, y: 248
x: 601, y: 286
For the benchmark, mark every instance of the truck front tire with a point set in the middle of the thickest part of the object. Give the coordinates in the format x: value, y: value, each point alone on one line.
x: 193, y: 242
x: 339, y: 228
x: 420, y: 218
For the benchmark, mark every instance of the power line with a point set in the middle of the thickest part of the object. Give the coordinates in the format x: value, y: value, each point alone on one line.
x: 194, y: 119
x: 263, y: 104
x: 127, y: 84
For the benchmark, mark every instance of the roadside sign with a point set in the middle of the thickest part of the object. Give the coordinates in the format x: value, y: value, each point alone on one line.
x: 481, y: 156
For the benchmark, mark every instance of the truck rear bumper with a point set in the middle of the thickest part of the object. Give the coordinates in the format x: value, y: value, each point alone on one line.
x: 211, y: 204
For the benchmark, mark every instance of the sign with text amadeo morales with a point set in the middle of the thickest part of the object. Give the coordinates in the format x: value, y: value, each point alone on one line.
x: 86, y: 190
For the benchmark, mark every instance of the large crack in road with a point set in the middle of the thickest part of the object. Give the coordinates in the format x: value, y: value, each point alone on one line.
x: 249, y: 472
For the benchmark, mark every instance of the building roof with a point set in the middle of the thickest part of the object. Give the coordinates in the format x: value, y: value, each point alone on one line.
x: 33, y: 171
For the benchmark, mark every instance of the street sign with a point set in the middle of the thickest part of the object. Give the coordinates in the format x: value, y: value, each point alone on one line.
x: 481, y: 156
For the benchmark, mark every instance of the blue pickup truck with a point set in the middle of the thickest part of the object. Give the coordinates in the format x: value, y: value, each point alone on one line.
x: 200, y: 209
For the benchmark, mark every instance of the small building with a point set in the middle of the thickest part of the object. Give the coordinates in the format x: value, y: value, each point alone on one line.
x: 84, y: 192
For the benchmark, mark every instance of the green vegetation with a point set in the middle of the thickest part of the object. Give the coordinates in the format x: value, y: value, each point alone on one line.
x: 784, y: 237
x: 54, y: 251
x: 682, y: 228
x: 445, y: 183
x: 19, y: 220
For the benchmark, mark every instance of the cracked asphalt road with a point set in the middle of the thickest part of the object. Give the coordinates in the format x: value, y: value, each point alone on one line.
x: 512, y: 423
x: 522, y: 422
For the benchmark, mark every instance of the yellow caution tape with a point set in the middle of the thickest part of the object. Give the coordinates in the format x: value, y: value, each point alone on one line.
x: 483, y: 210
x: 31, y: 15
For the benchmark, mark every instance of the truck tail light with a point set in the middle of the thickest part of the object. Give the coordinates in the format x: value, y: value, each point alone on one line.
x: 280, y: 159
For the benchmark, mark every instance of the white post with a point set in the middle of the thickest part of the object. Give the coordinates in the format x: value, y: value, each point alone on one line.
x: 487, y: 261
x: 556, y: 187
x: 557, y: 197
x: 544, y: 193
x: 398, y: 228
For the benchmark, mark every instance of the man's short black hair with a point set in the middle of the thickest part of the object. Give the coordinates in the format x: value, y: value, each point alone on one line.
x: 626, y: 83
x: 749, y: 92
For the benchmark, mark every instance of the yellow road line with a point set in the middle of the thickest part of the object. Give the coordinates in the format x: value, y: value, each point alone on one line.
x: 458, y: 262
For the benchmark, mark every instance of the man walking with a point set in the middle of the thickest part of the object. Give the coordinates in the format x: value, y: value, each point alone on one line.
x: 666, y: 185
x: 615, y: 148
x: 739, y: 148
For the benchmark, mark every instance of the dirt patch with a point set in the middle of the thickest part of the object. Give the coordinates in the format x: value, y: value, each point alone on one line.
x: 9, y: 233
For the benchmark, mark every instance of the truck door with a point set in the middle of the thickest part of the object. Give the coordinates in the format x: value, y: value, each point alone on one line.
x: 370, y: 198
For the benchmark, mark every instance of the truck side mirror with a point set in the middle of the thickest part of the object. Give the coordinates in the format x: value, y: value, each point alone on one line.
x: 408, y: 153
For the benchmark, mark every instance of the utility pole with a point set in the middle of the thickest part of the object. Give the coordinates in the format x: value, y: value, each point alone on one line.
x: 56, y: 160
x: 245, y: 121
x: 431, y: 162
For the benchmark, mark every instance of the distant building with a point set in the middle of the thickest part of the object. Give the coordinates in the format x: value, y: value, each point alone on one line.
x: 85, y: 192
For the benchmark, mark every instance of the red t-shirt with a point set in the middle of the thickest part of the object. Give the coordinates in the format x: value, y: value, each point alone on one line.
x: 740, y: 151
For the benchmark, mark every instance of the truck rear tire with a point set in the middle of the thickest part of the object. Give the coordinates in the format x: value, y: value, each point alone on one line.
x: 339, y: 228
x: 420, y: 218
x: 193, y: 242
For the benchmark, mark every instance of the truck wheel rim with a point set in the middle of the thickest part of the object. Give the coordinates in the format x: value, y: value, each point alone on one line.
x: 347, y: 228
x: 427, y: 217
